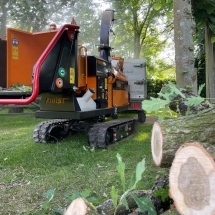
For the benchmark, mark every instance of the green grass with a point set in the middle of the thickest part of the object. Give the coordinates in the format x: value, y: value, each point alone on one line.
x: 27, y: 169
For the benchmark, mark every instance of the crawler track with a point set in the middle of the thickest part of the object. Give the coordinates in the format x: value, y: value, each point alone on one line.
x: 50, y: 131
x: 117, y: 130
x: 100, y: 134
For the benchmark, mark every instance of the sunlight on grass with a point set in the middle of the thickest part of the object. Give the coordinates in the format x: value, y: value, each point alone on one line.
x: 142, y: 136
x: 30, y: 169
x: 169, y: 114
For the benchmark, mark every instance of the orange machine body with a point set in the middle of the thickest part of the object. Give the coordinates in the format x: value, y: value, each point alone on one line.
x: 23, y: 50
x: 116, y: 85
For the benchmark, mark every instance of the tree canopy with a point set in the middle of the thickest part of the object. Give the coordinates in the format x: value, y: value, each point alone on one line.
x: 143, y: 28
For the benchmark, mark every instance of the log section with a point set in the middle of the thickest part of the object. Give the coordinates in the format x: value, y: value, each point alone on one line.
x: 192, y: 180
x: 168, y: 135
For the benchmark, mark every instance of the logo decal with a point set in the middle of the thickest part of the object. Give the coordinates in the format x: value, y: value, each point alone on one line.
x: 59, y: 82
x: 61, y: 72
x: 56, y: 100
x: 15, y: 42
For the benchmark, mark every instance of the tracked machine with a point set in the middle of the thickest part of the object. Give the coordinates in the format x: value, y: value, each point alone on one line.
x: 81, y: 92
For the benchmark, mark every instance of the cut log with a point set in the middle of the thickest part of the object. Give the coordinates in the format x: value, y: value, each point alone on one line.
x: 192, y: 180
x: 168, y: 135
x: 81, y: 207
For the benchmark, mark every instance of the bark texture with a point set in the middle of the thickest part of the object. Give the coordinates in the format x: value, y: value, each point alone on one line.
x: 169, y: 135
x: 192, y: 180
x: 210, y: 64
x: 184, y: 26
x: 3, y: 21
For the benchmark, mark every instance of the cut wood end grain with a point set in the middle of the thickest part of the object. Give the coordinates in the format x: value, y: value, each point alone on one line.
x: 192, y: 180
x: 157, y: 144
x: 81, y: 206
x: 77, y: 207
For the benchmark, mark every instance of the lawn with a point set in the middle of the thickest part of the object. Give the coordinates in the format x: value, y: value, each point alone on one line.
x: 28, y: 169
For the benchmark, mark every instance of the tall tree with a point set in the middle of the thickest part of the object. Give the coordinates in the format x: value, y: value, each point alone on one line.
x: 184, y: 31
x: 204, y: 13
x: 31, y: 15
x: 5, y: 7
x: 137, y: 19
x: 184, y: 27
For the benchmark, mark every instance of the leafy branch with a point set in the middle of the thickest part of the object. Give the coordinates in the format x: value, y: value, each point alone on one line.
x: 169, y: 94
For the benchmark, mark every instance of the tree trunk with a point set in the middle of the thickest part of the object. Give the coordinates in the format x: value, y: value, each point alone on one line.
x: 184, y: 26
x: 169, y: 135
x: 3, y: 22
x: 210, y: 64
x: 192, y: 180
x: 137, y: 46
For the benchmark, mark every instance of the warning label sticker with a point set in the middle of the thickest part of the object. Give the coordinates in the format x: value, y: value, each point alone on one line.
x: 15, y: 53
x: 72, y: 76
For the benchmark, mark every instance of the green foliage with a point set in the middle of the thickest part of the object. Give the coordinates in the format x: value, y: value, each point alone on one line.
x: 143, y: 203
x: 201, y: 87
x: 154, y: 86
x: 121, y: 170
x: 191, y: 48
x: 114, y: 196
x: 139, y: 19
x: 163, y: 193
x: 204, y: 13
x: 49, y: 195
x: 86, y: 194
x: 194, y: 101
x: 40, y: 167
x: 188, y: 87
x: 155, y: 104
x: 167, y: 96
x: 171, y: 90
x: 213, y: 39
x: 20, y: 87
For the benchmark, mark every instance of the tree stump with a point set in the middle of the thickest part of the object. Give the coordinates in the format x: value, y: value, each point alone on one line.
x: 169, y: 135
x: 192, y: 180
